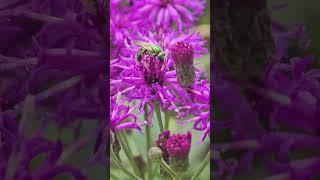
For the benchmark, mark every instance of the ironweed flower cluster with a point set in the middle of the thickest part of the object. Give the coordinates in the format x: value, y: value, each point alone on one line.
x: 153, y: 72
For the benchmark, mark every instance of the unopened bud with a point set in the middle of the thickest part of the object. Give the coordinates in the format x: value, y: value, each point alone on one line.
x: 182, y: 53
x: 178, y: 147
x: 155, y: 154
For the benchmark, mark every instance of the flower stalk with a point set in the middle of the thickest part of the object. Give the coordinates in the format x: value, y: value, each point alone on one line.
x: 204, y: 163
x: 148, y: 143
x: 123, y: 168
x: 166, y: 120
x: 158, y: 114
x: 167, y: 168
x: 128, y: 153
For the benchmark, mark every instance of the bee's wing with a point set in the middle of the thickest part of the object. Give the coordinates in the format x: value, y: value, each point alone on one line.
x: 142, y: 44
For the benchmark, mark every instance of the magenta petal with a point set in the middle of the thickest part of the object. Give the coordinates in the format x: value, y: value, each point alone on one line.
x: 128, y: 125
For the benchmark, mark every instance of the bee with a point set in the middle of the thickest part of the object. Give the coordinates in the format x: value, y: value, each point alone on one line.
x: 149, y: 48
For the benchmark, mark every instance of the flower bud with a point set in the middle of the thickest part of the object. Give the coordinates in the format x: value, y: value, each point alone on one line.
x: 178, y: 148
x: 182, y: 53
x: 155, y: 154
x: 161, y: 143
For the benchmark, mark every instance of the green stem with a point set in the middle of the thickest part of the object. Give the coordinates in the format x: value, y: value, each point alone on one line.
x: 158, y: 114
x: 123, y: 168
x: 148, y: 146
x: 128, y: 153
x: 153, y: 169
x: 178, y: 177
x: 124, y: 137
x: 203, y: 164
x: 149, y: 164
x: 148, y: 138
x: 113, y: 176
x: 148, y: 133
x: 167, y: 168
x: 166, y: 120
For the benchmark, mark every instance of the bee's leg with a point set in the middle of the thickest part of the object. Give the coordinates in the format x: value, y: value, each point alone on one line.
x: 146, y: 52
x: 139, y: 56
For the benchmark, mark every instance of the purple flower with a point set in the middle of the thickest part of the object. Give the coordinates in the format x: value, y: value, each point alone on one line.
x: 178, y: 145
x: 17, y: 152
x: 122, y: 116
x: 206, y: 133
x: 167, y: 13
x: 175, y: 148
x: 121, y: 25
x: 199, y: 108
x: 294, y: 101
x: 60, y: 61
x: 161, y: 143
x: 284, y: 37
x: 114, y: 5
x: 178, y: 148
x: 182, y: 55
x: 274, y: 118
x: 153, y: 80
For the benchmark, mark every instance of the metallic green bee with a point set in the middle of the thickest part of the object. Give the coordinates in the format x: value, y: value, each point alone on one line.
x: 149, y: 48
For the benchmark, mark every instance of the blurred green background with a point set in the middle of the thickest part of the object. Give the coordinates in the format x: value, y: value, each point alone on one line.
x: 203, y: 27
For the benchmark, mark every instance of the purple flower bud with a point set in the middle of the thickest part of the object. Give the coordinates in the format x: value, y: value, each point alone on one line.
x: 161, y: 143
x: 178, y: 145
x: 182, y: 53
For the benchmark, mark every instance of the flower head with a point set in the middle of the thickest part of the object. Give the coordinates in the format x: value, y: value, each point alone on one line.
x: 182, y: 54
x: 175, y: 150
x: 168, y: 13
x: 120, y: 26
x: 14, y: 144
x: 178, y: 145
x: 161, y: 142
x: 152, y: 70
x: 150, y: 79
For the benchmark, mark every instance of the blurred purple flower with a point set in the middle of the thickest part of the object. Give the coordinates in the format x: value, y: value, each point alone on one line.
x: 292, y: 95
x: 167, y: 13
x: 274, y: 118
x: 178, y: 145
x: 17, y: 152
x: 57, y: 54
x: 121, y: 25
